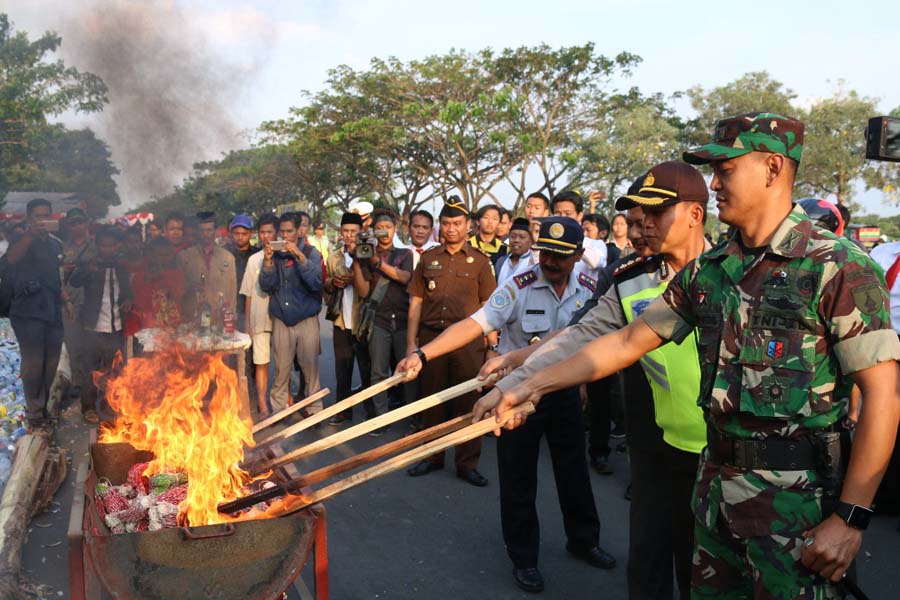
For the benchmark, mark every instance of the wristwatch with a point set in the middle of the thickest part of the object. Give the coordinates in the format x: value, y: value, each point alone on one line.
x: 421, y: 355
x: 378, y: 264
x: 854, y: 515
x: 494, y: 347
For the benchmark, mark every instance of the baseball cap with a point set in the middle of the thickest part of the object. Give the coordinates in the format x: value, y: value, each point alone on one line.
x: 244, y: 221
x: 665, y: 184
x: 361, y: 208
x: 757, y: 131
x: 562, y: 235
x: 76, y: 214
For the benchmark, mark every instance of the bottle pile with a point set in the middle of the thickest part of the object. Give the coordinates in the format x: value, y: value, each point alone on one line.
x: 12, y: 399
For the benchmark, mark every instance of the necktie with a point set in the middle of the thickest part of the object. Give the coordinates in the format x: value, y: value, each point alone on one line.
x: 420, y: 250
x: 112, y: 299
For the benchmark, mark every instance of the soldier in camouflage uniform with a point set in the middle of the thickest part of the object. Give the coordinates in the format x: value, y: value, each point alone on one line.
x: 789, y: 316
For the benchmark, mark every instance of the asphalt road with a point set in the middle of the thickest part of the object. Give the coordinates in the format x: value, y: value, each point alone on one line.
x: 435, y: 536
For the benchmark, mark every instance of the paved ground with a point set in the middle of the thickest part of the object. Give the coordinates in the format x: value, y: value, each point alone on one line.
x: 434, y: 537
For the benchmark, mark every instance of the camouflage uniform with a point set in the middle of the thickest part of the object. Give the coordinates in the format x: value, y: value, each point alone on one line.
x: 779, y: 333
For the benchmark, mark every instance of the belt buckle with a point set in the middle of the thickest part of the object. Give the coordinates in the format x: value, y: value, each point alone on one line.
x: 748, y: 454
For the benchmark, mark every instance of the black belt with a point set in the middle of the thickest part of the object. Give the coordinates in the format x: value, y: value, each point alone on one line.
x: 770, y: 454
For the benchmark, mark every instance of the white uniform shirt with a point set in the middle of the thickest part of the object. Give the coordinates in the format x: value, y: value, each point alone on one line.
x: 526, y: 307
x: 886, y: 255
x: 109, y: 320
x: 415, y: 251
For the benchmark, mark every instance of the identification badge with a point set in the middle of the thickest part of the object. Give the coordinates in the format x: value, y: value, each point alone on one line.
x: 431, y: 285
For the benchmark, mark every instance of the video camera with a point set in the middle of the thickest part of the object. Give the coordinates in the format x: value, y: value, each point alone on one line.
x: 883, y: 139
x: 366, y: 241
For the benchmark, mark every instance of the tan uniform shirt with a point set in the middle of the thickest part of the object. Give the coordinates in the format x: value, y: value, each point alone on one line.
x: 220, y: 273
x: 452, y: 286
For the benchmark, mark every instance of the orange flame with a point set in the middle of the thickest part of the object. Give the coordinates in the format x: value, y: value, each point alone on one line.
x: 184, y: 408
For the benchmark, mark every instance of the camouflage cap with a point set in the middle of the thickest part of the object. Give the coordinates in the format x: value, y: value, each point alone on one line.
x: 760, y: 132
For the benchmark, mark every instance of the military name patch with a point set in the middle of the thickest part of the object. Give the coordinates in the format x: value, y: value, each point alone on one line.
x: 525, y: 279
x: 587, y: 282
x: 534, y: 311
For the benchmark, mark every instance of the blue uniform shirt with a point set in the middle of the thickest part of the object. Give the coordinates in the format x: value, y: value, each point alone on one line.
x: 526, y: 308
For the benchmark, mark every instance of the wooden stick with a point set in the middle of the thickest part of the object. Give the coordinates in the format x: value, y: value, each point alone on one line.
x: 412, y: 456
x: 348, y: 464
x: 272, y: 419
x: 334, y: 409
x: 372, y: 424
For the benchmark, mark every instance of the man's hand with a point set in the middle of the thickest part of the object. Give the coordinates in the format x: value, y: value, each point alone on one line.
x: 69, y: 309
x: 495, y: 404
x: 834, y: 546
x: 340, y: 281
x: 502, y: 365
x: 411, y: 365
x: 293, y: 249
x: 268, y: 253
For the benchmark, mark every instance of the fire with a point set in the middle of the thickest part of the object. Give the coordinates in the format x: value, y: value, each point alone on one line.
x: 184, y: 408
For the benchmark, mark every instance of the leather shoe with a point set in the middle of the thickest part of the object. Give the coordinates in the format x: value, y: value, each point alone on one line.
x: 596, y: 557
x: 423, y: 467
x: 473, y: 477
x: 529, y: 579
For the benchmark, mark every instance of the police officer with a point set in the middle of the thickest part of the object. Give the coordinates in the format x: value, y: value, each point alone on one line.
x: 531, y: 305
x: 789, y: 316
x: 451, y: 282
x: 666, y: 431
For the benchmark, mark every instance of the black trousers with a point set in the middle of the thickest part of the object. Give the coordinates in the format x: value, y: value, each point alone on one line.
x: 40, y: 344
x: 99, y: 351
x: 347, y: 349
x: 600, y: 409
x: 559, y: 416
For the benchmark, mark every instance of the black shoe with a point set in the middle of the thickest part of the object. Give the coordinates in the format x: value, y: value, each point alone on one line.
x: 618, y: 432
x: 596, y: 557
x: 422, y: 467
x: 601, y: 465
x: 628, y: 493
x: 378, y: 432
x: 473, y: 477
x: 338, y: 419
x: 621, y: 448
x: 529, y: 579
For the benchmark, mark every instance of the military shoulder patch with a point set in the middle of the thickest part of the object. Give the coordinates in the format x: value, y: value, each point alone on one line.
x: 525, y: 279
x: 587, y: 282
x: 869, y: 298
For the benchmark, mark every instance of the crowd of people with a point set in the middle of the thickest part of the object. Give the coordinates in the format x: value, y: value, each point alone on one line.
x: 771, y: 329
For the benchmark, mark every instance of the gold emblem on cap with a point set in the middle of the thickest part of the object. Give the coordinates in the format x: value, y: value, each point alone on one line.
x: 470, y: 260
x: 557, y: 231
x: 431, y: 285
x: 649, y: 180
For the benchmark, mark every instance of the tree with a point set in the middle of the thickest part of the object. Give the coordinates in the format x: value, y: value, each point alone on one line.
x: 558, y: 93
x: 834, y: 147
x: 32, y: 87
x: 70, y: 161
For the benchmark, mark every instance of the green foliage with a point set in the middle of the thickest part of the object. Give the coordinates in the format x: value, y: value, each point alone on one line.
x: 33, y: 87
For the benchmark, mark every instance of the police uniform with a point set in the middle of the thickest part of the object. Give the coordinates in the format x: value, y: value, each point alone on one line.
x: 530, y: 309
x: 452, y: 287
x: 779, y: 332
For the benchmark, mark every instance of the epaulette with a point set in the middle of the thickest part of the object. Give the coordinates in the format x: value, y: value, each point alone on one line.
x: 587, y: 282
x: 638, y: 262
x: 525, y: 279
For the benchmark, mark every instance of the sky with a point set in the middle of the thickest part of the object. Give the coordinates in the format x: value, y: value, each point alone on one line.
x: 274, y: 50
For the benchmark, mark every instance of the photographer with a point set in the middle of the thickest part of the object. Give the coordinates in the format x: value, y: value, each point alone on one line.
x: 343, y: 310
x: 383, y: 318
x: 38, y: 302
x: 107, y: 298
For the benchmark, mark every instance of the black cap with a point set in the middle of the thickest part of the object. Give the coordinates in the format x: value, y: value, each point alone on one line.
x: 454, y: 207
x: 666, y: 184
x: 206, y: 216
x: 519, y: 223
x: 350, y: 218
x: 562, y: 235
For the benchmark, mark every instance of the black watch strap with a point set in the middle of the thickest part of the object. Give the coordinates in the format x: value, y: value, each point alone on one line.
x: 854, y: 515
x: 421, y: 356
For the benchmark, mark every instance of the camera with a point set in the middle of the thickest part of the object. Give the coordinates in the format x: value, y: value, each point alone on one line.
x: 883, y: 139
x: 277, y: 245
x: 366, y: 241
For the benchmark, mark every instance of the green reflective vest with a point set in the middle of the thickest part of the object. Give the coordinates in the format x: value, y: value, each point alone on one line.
x: 673, y: 371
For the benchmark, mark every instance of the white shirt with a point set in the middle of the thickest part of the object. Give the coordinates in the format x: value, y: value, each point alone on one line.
x: 347, y: 299
x: 508, y: 269
x: 886, y: 255
x: 109, y: 320
x: 260, y: 321
x: 415, y: 251
x: 4, y: 246
x: 593, y: 260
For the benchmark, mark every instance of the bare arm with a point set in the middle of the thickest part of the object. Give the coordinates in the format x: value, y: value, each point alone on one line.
x: 514, y: 358
x: 359, y: 281
x: 453, y: 338
x: 399, y: 275
x: 18, y: 250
